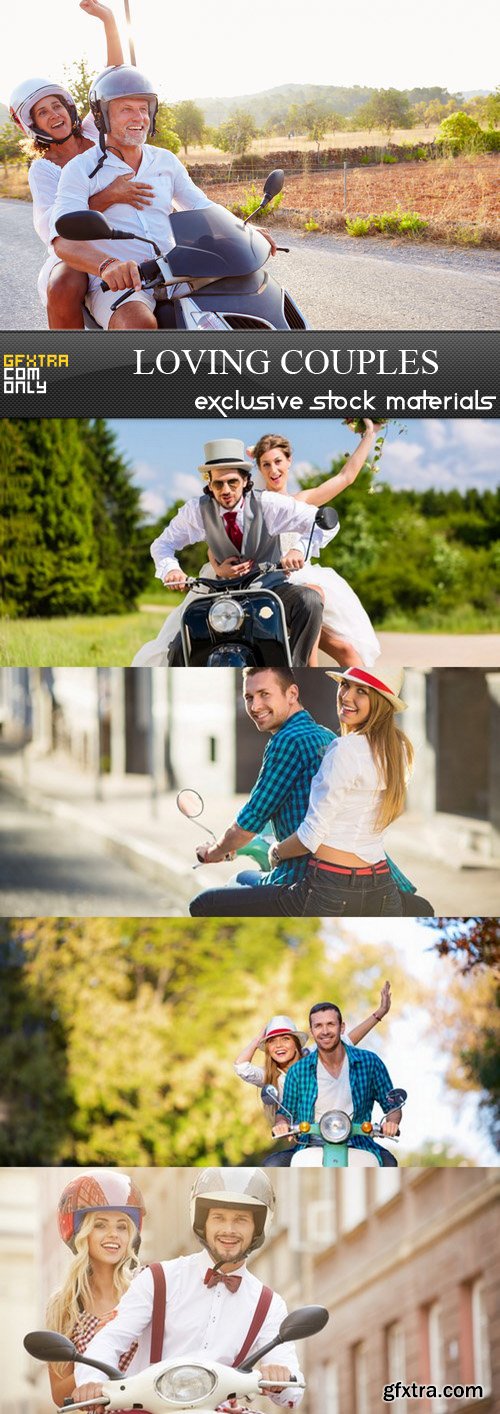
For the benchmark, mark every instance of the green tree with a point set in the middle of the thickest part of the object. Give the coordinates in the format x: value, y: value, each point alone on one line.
x: 165, y: 134
x: 118, y: 530
x: 316, y: 123
x: 470, y: 1021
x: 79, y: 79
x: 237, y: 134
x: 387, y: 109
x: 460, y: 133
x: 11, y: 145
x: 189, y: 123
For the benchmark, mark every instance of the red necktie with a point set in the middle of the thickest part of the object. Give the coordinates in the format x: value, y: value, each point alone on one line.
x: 233, y: 529
x: 212, y: 1277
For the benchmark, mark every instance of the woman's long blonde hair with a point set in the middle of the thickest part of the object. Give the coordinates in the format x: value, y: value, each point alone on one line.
x: 392, y: 751
x: 75, y: 1295
x: 272, y: 1070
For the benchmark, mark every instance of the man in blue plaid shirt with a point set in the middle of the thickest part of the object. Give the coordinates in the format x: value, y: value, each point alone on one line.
x: 281, y: 792
x: 335, y: 1077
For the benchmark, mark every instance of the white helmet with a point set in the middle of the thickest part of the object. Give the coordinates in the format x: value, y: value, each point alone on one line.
x: 233, y: 1188
x: 23, y: 98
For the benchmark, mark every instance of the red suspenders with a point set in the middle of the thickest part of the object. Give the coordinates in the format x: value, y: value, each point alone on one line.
x: 159, y: 1312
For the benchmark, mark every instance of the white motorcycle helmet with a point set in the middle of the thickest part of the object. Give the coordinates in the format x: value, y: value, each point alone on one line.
x: 23, y: 99
x: 233, y: 1188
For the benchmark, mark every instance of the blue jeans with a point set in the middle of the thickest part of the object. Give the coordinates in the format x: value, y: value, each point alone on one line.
x: 319, y: 895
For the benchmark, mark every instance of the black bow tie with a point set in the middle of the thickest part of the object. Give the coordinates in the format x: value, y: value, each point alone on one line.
x: 228, y: 1278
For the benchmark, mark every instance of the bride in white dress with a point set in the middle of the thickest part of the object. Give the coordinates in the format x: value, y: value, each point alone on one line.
x: 347, y: 634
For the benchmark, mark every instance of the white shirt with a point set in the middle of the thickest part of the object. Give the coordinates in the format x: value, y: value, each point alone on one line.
x: 280, y: 513
x: 43, y: 178
x: 345, y: 799
x: 200, y: 1320
x: 172, y: 187
x: 334, y: 1092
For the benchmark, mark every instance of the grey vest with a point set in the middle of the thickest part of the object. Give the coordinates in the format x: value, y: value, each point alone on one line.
x: 257, y: 544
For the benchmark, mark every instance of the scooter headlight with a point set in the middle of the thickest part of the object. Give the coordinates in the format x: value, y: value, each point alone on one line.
x: 225, y: 616
x: 335, y: 1126
x: 186, y: 1384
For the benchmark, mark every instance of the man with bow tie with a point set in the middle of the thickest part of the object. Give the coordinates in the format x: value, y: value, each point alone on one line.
x: 242, y: 527
x: 214, y: 1308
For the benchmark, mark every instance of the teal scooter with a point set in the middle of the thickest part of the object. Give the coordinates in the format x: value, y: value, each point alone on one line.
x: 191, y: 804
x: 331, y: 1134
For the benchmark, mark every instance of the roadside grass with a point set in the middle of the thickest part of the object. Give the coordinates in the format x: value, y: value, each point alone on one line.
x: 113, y: 640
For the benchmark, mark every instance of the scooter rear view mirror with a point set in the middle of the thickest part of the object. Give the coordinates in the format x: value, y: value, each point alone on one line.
x: 269, y: 1095
x: 397, y: 1098
x: 191, y: 804
x: 297, y: 1325
x: 54, y: 1347
x: 84, y: 226
x: 326, y: 517
x: 274, y: 184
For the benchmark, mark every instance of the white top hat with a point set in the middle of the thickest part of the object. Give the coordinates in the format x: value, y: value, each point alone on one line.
x: 225, y: 451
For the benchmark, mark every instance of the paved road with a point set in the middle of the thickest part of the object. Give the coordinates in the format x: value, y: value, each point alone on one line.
x: 338, y: 282
x: 49, y: 867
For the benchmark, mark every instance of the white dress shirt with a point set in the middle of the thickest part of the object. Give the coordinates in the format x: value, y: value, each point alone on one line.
x: 280, y: 513
x: 200, y: 1320
x: 172, y: 187
x: 345, y: 799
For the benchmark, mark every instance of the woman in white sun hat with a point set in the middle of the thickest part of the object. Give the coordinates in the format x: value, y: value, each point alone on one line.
x: 283, y: 1044
x: 46, y: 113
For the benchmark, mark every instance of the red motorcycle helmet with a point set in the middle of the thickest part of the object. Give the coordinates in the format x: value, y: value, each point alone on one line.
x: 93, y: 1192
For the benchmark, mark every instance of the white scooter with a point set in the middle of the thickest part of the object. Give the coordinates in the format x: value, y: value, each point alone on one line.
x: 327, y: 1140
x: 189, y: 1383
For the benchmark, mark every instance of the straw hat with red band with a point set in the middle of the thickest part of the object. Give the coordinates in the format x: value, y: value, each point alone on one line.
x: 282, y: 1026
x: 387, y: 684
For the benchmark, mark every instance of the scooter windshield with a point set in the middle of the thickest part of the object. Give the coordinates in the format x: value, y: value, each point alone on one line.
x: 212, y: 244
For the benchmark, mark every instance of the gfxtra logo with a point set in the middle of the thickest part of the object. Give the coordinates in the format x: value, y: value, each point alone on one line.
x: 22, y: 373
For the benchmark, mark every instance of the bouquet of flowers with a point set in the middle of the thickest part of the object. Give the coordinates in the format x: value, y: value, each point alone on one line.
x: 357, y: 424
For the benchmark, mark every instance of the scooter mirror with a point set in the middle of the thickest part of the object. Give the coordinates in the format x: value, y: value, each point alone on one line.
x: 274, y: 184
x: 50, y: 1345
x: 397, y: 1098
x: 190, y: 804
x: 306, y: 1321
x: 269, y: 1095
x: 326, y: 517
x: 84, y: 226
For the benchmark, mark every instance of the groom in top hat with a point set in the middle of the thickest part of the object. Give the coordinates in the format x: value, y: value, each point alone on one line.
x: 242, y: 527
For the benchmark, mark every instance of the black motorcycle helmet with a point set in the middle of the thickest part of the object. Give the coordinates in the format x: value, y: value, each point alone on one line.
x: 120, y: 81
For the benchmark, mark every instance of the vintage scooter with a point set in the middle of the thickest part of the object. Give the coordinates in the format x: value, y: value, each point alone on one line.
x: 213, y: 278
x: 191, y: 1383
x: 191, y: 805
x: 329, y: 1147
x: 240, y: 622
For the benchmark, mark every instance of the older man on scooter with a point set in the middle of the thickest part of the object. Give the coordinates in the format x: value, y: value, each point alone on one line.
x: 219, y: 1308
x: 335, y: 1077
x: 280, y: 795
x: 124, y: 106
x: 242, y: 527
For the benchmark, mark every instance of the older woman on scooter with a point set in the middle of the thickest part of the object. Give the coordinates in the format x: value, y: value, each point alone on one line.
x: 46, y: 112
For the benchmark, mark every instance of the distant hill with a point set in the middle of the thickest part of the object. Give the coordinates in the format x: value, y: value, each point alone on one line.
x: 274, y: 103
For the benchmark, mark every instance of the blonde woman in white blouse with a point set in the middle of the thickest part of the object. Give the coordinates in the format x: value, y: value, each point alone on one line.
x: 359, y: 789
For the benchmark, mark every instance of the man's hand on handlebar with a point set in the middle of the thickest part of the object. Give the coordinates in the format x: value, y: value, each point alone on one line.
x: 275, y: 1372
x: 293, y: 560
x: 89, y: 1391
x: 122, y: 275
x: 175, y: 579
x: 389, y: 1128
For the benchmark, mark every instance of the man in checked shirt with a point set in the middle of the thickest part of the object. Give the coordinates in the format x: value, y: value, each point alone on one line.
x: 281, y: 794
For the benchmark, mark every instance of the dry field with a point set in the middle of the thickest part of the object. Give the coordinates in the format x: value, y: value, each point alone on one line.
x: 400, y: 136
x: 455, y: 195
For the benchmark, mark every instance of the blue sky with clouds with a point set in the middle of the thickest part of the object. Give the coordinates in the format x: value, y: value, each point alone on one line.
x: 433, y: 452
